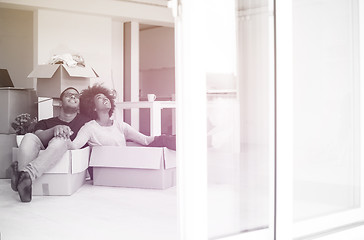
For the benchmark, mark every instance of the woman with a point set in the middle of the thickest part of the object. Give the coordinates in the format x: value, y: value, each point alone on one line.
x: 98, y: 103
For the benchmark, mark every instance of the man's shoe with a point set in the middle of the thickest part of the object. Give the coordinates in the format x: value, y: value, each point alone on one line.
x: 25, y: 187
x: 14, y: 175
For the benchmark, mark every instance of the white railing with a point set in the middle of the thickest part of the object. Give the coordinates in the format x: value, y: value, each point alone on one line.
x: 155, y: 113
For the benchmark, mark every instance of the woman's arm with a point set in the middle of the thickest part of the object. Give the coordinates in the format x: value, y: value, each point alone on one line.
x: 132, y: 134
x: 81, y: 139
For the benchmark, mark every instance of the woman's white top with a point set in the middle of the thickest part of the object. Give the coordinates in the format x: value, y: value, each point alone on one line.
x: 115, y: 135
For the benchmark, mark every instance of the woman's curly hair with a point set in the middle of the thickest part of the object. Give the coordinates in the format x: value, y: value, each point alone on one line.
x: 87, y: 103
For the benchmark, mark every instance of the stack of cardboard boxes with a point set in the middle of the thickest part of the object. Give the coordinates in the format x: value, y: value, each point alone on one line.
x: 13, y: 101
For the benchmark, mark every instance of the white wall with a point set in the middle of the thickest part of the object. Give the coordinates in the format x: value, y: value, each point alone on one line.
x: 98, y: 39
x: 16, y: 45
x: 64, y: 32
x: 157, y: 62
x: 157, y: 48
x: 157, y: 72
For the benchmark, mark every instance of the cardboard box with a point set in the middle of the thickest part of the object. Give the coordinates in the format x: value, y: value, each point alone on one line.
x: 5, y: 80
x: 53, y: 79
x: 7, y: 142
x: 66, y: 177
x: 131, y: 166
x: 14, y: 101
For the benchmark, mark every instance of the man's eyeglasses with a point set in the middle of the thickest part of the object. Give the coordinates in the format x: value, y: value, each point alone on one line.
x: 70, y: 95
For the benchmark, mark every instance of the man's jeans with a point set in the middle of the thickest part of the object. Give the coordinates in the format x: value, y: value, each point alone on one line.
x: 35, y: 163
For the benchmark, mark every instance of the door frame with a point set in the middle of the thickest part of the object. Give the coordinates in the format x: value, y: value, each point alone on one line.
x: 192, y: 160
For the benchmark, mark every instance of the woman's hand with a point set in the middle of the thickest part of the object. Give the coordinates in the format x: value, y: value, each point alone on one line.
x: 70, y: 145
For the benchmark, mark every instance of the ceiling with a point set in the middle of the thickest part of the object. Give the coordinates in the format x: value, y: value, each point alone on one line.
x: 162, y: 3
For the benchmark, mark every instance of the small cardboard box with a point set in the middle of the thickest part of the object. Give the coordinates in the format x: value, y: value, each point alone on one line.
x: 132, y: 166
x: 66, y: 177
x: 53, y: 79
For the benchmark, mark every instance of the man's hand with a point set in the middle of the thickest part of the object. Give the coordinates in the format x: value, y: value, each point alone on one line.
x: 62, y: 131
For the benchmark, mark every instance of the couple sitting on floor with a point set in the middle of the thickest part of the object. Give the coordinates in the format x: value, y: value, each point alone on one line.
x: 73, y: 130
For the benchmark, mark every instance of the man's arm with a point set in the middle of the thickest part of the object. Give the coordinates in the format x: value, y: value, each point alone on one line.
x: 58, y: 131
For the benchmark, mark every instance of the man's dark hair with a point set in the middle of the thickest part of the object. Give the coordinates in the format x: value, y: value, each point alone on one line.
x: 87, y: 103
x: 64, y: 91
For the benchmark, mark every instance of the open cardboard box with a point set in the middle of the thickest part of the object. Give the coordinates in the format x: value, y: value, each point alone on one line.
x: 53, y: 79
x: 66, y: 177
x: 133, y: 166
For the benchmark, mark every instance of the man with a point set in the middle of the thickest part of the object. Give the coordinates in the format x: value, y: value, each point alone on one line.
x: 51, y: 136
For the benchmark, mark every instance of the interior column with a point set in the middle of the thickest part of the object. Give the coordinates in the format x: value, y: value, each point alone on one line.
x: 131, y: 71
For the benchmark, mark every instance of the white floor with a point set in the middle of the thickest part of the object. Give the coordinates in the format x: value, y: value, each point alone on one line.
x: 93, y: 212
x: 96, y: 212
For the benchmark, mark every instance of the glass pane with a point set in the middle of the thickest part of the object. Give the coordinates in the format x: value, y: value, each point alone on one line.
x: 326, y: 107
x: 240, y: 116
